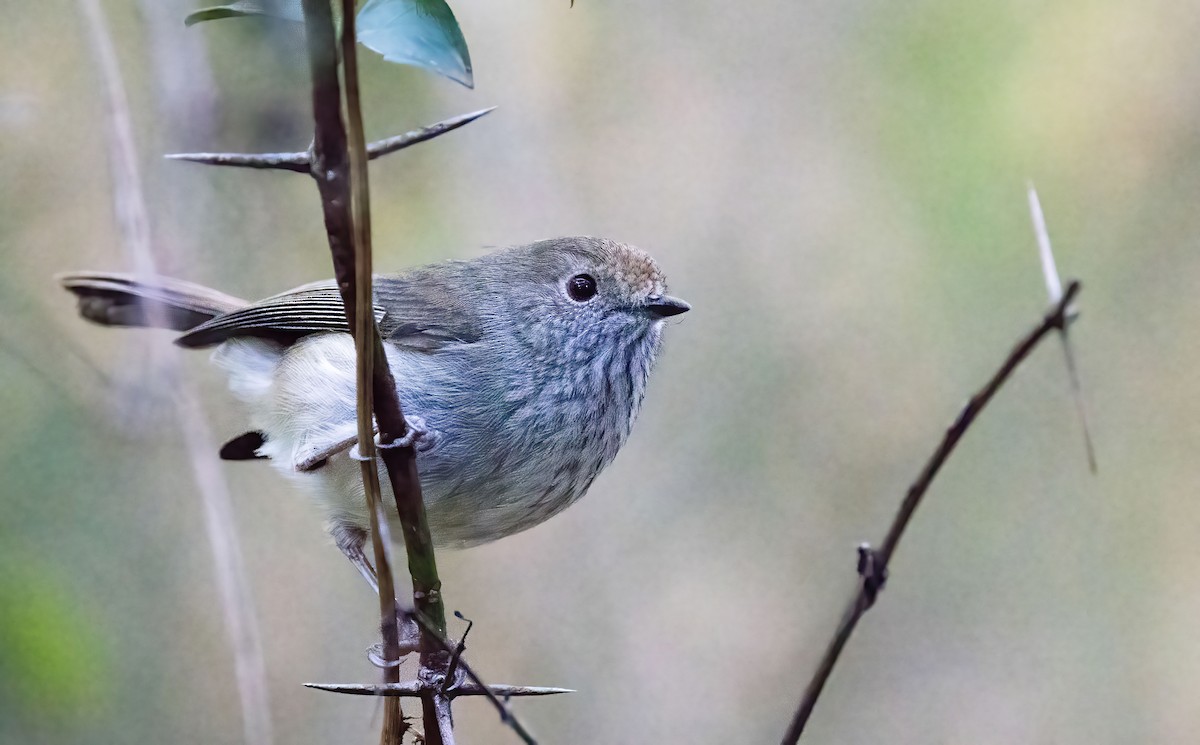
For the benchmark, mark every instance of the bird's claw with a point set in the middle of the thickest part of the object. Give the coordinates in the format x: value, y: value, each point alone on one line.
x: 417, y: 435
x: 409, y: 641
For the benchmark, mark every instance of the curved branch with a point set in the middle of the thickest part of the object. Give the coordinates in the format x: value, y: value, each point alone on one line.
x: 873, y: 563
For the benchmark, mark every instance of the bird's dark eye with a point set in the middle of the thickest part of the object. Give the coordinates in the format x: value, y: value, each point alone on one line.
x: 581, y: 287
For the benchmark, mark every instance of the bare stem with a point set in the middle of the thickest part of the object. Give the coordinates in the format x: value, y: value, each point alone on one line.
x: 873, y: 563
x: 241, y: 621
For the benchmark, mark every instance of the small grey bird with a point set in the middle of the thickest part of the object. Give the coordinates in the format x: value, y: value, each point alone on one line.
x: 522, y: 372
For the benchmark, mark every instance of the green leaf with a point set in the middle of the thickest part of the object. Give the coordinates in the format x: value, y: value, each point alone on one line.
x: 288, y: 10
x: 422, y: 33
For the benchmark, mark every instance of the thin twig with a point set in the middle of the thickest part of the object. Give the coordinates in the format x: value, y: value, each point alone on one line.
x: 456, y: 656
x: 873, y: 563
x: 400, y: 460
x: 414, y: 688
x: 369, y: 354
x: 128, y: 199
x: 301, y: 162
x: 241, y: 622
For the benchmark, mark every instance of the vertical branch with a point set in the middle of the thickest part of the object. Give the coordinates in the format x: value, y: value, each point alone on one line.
x: 401, y: 462
x: 241, y: 622
x: 370, y: 353
x: 129, y: 202
x: 339, y: 166
x: 351, y: 262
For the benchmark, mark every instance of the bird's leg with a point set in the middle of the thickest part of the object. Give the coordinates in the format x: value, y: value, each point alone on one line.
x: 318, y: 457
x: 350, y: 540
x: 417, y: 435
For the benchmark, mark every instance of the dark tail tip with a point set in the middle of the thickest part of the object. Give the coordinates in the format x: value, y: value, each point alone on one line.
x: 244, y: 447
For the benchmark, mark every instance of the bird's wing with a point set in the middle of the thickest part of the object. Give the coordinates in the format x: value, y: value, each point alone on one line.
x: 429, y: 308
x: 286, y: 317
x: 412, y: 311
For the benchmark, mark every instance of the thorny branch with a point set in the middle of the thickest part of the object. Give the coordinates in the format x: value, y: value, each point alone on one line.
x: 302, y: 162
x: 416, y: 687
x: 338, y: 163
x: 873, y: 563
x: 506, y: 714
x: 496, y: 694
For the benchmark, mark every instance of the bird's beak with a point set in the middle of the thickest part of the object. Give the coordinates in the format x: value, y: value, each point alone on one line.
x: 665, y: 306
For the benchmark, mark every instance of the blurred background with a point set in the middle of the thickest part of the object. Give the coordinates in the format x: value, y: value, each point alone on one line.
x: 836, y: 186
